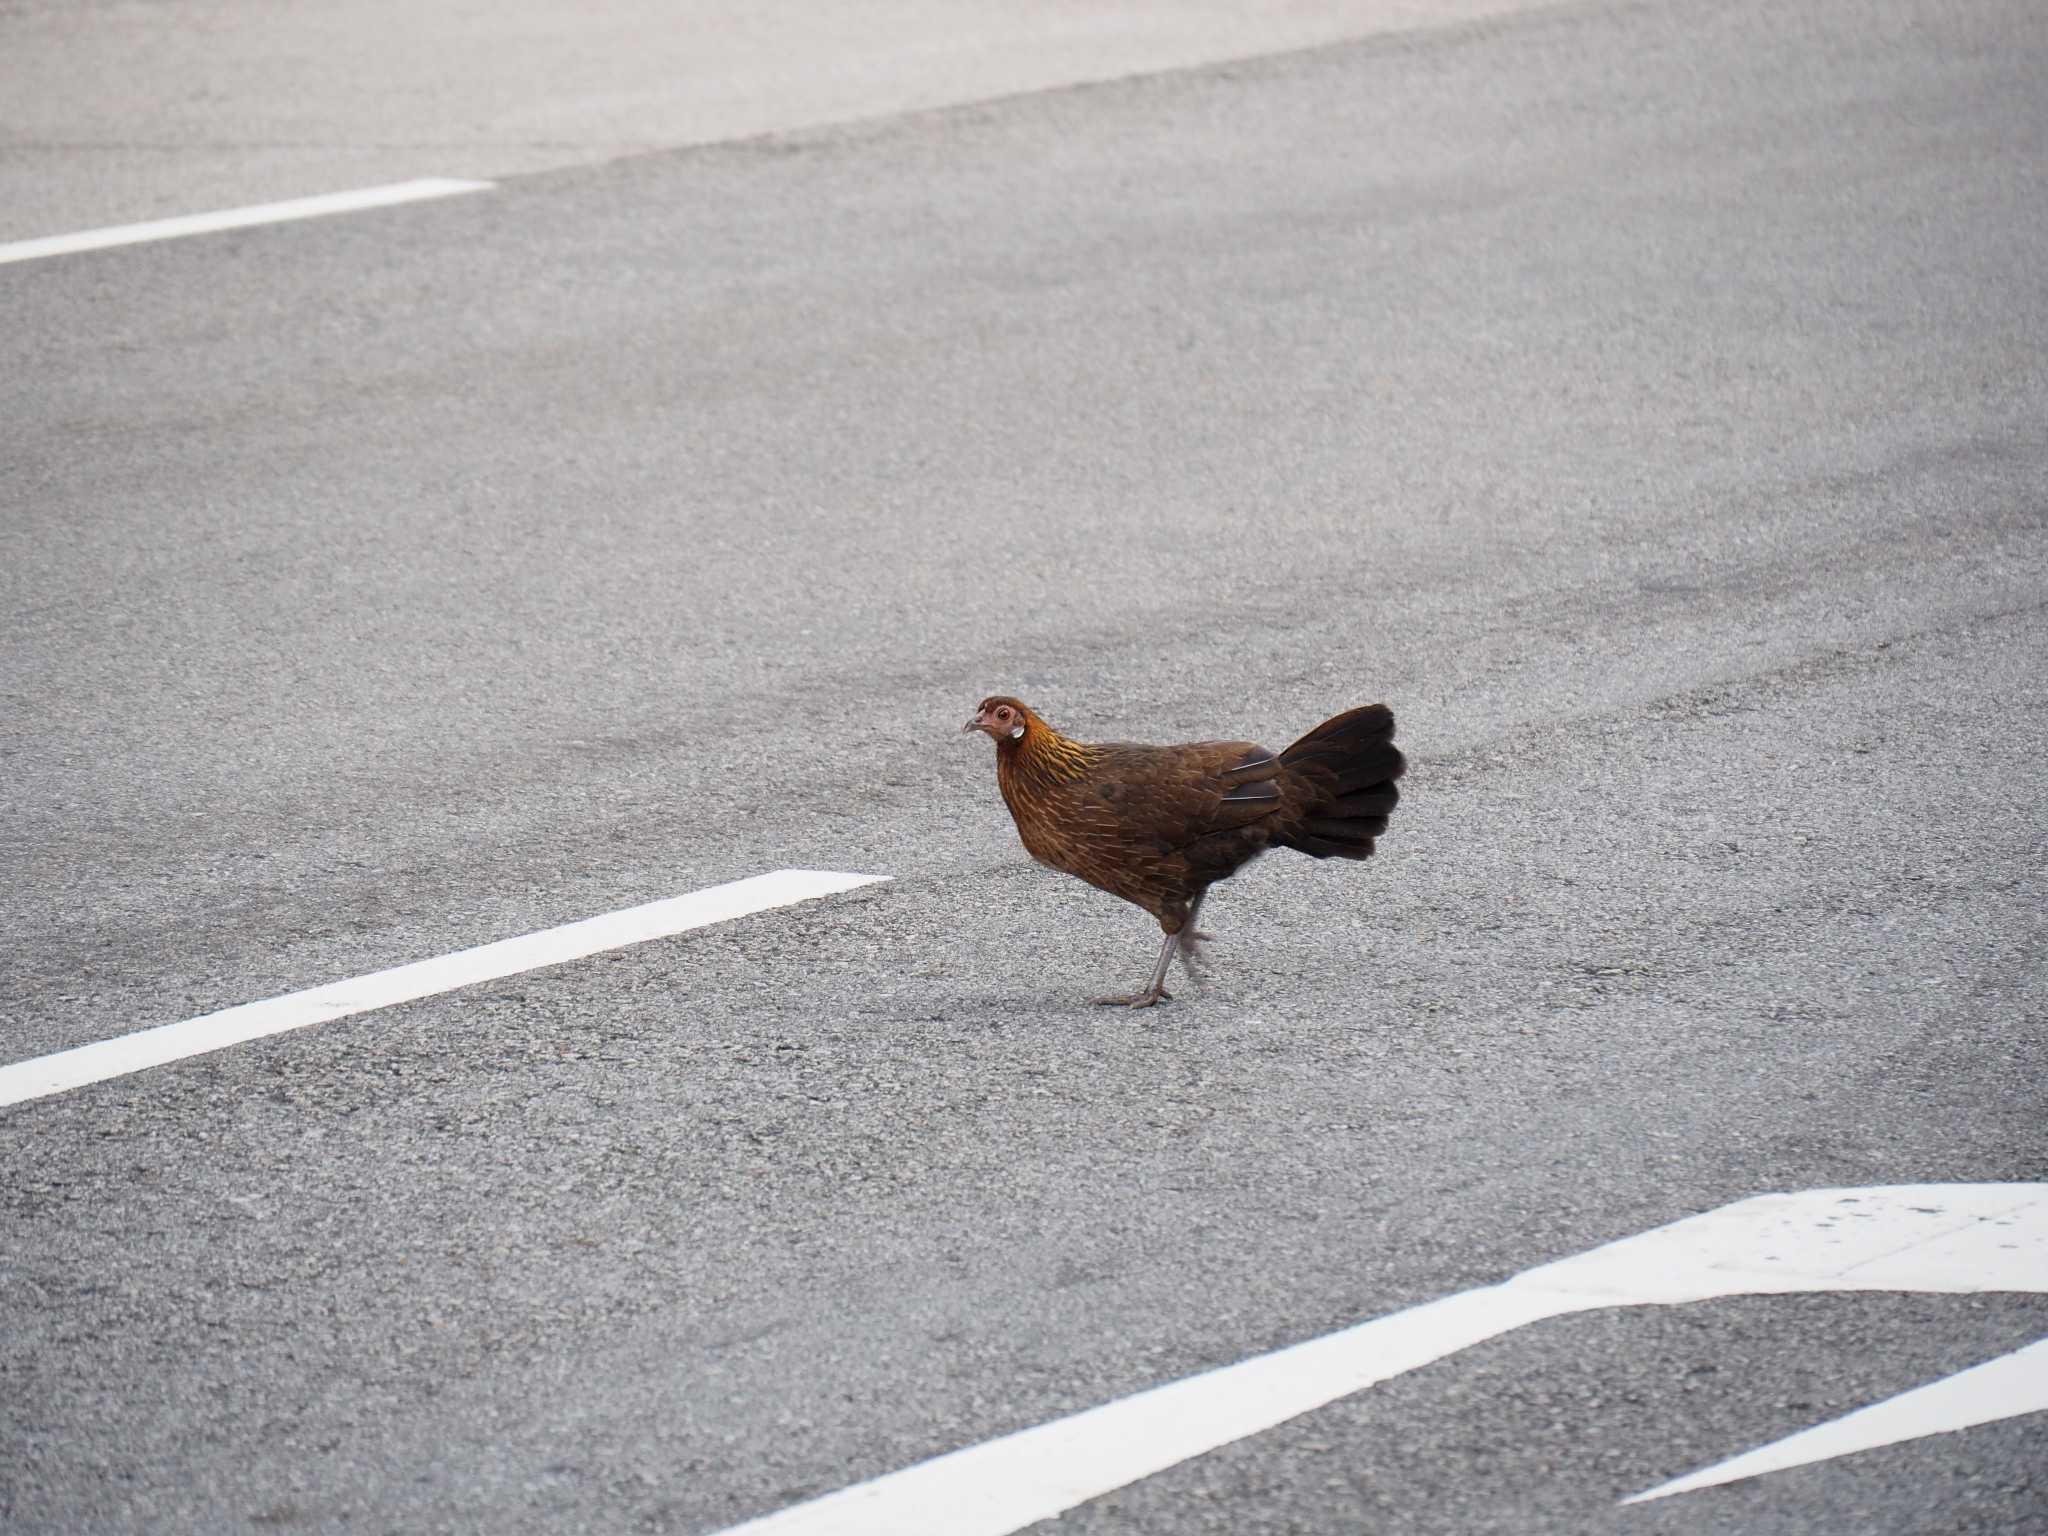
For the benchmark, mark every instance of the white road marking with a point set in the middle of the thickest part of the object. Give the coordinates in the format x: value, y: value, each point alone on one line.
x: 1924, y: 1237
x: 239, y: 218
x: 1998, y: 1389
x: 45, y: 1075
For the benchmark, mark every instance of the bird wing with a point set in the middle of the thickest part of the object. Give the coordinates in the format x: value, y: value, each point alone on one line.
x: 1171, y: 797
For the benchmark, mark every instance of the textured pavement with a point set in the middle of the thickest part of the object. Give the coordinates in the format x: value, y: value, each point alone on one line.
x: 1646, y: 400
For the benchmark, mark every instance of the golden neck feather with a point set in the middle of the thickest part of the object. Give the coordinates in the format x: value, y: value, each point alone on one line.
x: 1043, y: 756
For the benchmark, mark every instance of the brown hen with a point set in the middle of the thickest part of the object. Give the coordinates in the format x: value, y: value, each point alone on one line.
x: 1159, y: 825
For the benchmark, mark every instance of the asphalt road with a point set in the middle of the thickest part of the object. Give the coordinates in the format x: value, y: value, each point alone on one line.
x: 118, y: 113
x: 1648, y: 401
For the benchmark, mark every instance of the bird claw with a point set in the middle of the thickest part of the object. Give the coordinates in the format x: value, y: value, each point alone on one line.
x: 1134, y: 1000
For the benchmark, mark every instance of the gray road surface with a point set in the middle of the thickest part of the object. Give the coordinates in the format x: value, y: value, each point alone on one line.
x: 114, y: 113
x: 1647, y: 400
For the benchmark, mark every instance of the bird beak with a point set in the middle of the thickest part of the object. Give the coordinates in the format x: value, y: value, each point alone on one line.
x: 972, y: 725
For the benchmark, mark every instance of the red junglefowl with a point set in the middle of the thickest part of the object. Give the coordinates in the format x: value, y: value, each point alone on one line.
x: 1159, y: 825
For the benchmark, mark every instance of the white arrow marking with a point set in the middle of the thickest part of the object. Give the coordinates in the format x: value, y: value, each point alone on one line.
x: 1998, y: 1389
x: 1911, y: 1237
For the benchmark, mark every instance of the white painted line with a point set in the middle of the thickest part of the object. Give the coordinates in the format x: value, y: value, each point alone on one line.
x: 1936, y: 1237
x: 1998, y: 1389
x: 1003, y: 1485
x: 240, y: 218
x: 103, y: 1059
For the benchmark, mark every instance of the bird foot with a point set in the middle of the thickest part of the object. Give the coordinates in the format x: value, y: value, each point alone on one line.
x: 1135, y: 999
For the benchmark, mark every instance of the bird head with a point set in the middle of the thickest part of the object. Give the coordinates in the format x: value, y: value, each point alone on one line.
x: 1003, y: 718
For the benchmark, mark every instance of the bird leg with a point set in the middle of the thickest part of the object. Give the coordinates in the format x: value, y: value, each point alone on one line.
x: 1191, y: 939
x: 1184, y: 941
x: 1154, y: 993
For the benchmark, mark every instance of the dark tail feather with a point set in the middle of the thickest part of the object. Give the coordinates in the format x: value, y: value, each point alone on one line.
x: 1348, y: 766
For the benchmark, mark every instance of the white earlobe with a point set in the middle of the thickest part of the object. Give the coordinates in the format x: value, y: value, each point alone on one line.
x: 1016, y: 731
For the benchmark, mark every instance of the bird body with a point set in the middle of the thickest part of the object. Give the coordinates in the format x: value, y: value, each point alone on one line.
x: 1158, y: 825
